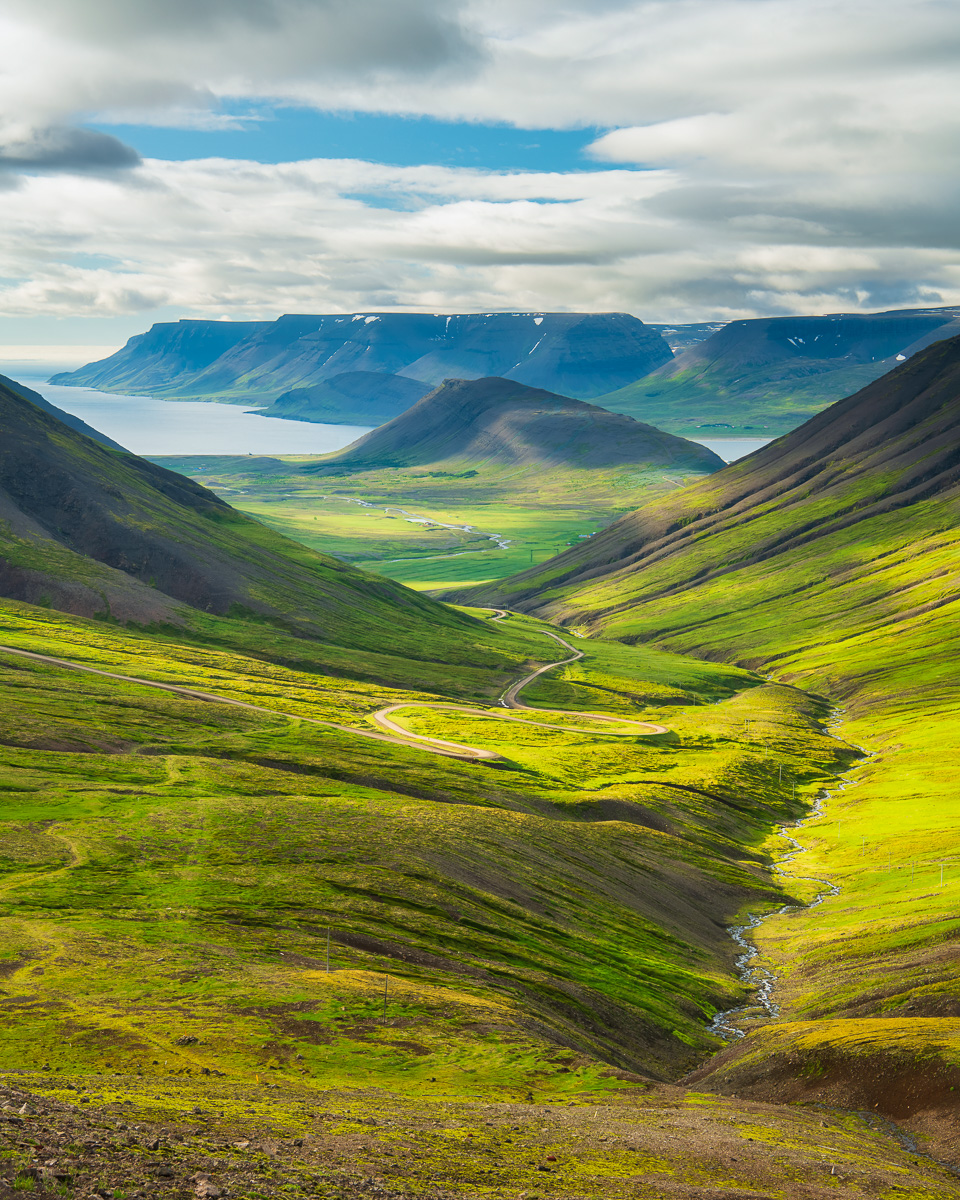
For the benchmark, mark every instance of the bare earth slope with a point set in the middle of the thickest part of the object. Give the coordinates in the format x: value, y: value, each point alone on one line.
x: 493, y: 420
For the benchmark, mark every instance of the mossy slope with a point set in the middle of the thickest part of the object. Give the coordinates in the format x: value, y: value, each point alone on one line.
x: 175, y: 865
x: 830, y: 558
x: 493, y: 422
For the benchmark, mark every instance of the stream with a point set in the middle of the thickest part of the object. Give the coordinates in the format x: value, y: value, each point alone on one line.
x: 761, y: 981
x: 500, y: 542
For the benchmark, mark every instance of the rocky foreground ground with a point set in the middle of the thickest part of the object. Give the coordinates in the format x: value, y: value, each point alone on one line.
x: 128, y: 1138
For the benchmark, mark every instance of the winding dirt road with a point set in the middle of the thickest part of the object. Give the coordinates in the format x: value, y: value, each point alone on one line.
x: 509, y: 700
x: 417, y: 741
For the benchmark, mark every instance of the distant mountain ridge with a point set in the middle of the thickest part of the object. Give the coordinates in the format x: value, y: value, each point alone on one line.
x: 580, y: 354
x: 500, y: 421
x: 768, y: 375
x: 152, y: 363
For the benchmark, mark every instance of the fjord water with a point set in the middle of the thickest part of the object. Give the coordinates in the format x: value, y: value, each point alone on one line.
x: 148, y: 426
x: 730, y: 449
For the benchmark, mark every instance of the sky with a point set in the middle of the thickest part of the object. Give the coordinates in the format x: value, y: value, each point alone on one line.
x: 682, y: 160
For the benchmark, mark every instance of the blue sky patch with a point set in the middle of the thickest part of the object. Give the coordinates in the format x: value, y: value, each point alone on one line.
x: 293, y: 134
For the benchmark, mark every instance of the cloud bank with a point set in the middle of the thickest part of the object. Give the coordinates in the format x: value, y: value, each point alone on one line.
x: 761, y: 156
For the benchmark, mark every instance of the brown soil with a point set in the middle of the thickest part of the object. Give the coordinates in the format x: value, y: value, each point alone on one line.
x: 921, y: 1096
x: 86, y: 1137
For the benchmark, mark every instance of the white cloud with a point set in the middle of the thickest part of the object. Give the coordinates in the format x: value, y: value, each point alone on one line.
x: 258, y: 239
x: 804, y: 156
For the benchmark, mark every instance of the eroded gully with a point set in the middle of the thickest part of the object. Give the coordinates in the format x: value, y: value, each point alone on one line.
x: 760, y: 980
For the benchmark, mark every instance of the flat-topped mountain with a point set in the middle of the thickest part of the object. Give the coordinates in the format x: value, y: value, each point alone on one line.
x: 152, y: 363
x: 769, y: 375
x: 497, y: 421
x: 353, y: 398
x: 94, y: 531
x: 880, y: 458
x: 581, y: 354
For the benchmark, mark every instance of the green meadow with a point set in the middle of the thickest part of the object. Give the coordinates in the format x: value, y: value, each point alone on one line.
x: 301, y: 934
x: 431, y: 529
x: 734, y: 400
x: 172, y: 866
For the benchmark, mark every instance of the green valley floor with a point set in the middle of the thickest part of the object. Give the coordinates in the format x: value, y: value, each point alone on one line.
x: 425, y: 528
x: 244, y: 954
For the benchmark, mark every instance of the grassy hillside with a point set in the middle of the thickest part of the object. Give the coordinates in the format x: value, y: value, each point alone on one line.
x: 769, y: 375
x: 551, y: 932
x: 497, y: 422
x: 98, y: 532
x: 438, y: 526
x: 64, y: 417
x: 830, y: 559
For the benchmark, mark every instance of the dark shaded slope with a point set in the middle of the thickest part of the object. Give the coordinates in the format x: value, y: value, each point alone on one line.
x: 582, y: 354
x: 89, y: 530
x: 891, y: 446
x: 67, y: 418
x: 494, y: 420
x: 353, y: 398
x: 774, y: 373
